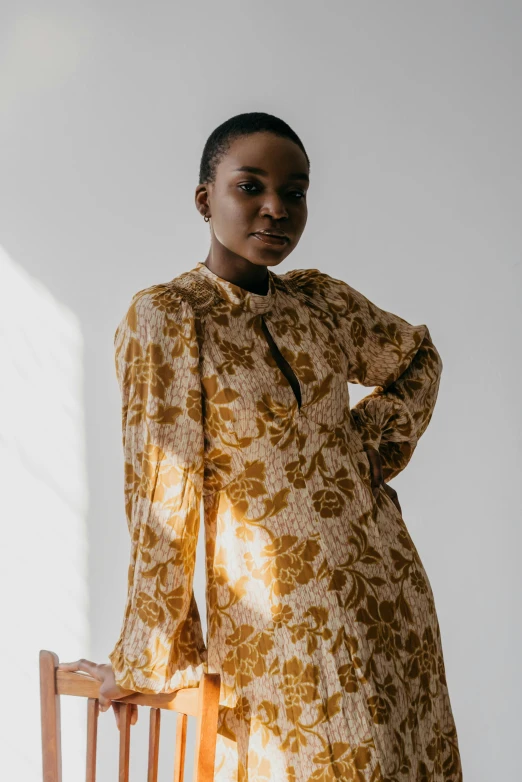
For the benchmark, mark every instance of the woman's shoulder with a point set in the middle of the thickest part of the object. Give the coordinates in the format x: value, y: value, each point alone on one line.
x: 314, y: 281
x: 177, y: 301
x: 301, y: 277
x: 320, y: 287
x: 179, y: 295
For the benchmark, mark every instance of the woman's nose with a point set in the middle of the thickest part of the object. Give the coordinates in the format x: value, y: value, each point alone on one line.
x: 275, y: 207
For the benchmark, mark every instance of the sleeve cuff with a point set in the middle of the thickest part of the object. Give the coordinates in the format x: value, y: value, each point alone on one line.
x: 152, y: 673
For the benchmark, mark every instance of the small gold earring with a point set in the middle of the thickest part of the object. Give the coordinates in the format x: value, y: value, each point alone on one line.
x: 206, y: 219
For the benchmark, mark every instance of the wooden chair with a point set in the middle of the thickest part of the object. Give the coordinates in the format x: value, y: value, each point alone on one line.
x: 200, y: 702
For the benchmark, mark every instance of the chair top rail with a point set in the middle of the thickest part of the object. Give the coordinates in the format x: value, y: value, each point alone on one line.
x: 80, y: 684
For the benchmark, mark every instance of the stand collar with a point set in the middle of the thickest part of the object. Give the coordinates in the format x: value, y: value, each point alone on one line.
x: 252, y: 302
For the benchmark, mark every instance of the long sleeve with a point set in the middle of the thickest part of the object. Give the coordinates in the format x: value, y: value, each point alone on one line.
x: 385, y: 351
x: 160, y: 647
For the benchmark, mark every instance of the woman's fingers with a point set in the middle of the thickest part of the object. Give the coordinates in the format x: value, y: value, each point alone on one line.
x: 393, y: 496
x: 117, y: 712
x: 86, y: 666
x: 376, y: 478
x: 104, y: 674
x: 94, y: 670
x: 116, y: 707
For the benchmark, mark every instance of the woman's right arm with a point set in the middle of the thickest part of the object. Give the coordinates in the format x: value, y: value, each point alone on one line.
x: 160, y: 647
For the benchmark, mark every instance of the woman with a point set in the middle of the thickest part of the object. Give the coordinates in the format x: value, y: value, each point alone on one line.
x: 321, y: 619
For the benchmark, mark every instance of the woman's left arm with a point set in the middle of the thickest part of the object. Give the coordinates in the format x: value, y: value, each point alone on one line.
x: 385, y: 351
x: 403, y: 363
x: 395, y: 415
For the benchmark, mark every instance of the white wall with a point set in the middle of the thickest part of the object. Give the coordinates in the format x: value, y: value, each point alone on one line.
x: 411, y: 115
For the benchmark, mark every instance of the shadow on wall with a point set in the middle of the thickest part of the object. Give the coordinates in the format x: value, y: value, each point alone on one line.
x: 43, y: 506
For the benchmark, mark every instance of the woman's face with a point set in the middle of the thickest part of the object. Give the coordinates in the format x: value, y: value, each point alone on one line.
x: 272, y: 197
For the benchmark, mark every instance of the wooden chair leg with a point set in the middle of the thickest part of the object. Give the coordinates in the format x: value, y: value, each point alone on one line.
x: 93, y: 708
x: 206, y: 735
x: 50, y: 717
x: 125, y: 727
x: 154, y: 738
x: 181, y: 746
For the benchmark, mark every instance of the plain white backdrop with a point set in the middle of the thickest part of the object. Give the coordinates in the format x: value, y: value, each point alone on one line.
x: 412, y: 117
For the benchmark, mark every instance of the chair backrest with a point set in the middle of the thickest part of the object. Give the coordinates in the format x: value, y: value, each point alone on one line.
x: 200, y: 702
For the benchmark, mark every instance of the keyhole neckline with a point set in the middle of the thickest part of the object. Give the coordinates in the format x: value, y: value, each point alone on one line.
x: 257, y: 303
x: 295, y: 388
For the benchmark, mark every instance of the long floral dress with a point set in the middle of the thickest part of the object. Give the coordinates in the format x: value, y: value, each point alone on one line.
x: 321, y: 618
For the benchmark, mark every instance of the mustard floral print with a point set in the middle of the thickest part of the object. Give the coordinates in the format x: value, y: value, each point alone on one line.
x: 321, y: 618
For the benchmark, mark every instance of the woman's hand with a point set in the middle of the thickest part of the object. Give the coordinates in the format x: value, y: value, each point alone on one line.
x: 377, y: 480
x: 108, y: 687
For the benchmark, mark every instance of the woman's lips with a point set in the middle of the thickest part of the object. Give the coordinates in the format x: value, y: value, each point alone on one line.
x: 273, y: 241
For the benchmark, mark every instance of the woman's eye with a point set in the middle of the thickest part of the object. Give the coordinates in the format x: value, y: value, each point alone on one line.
x: 243, y: 185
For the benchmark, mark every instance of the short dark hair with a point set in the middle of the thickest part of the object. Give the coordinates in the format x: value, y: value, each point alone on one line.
x: 220, y: 140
